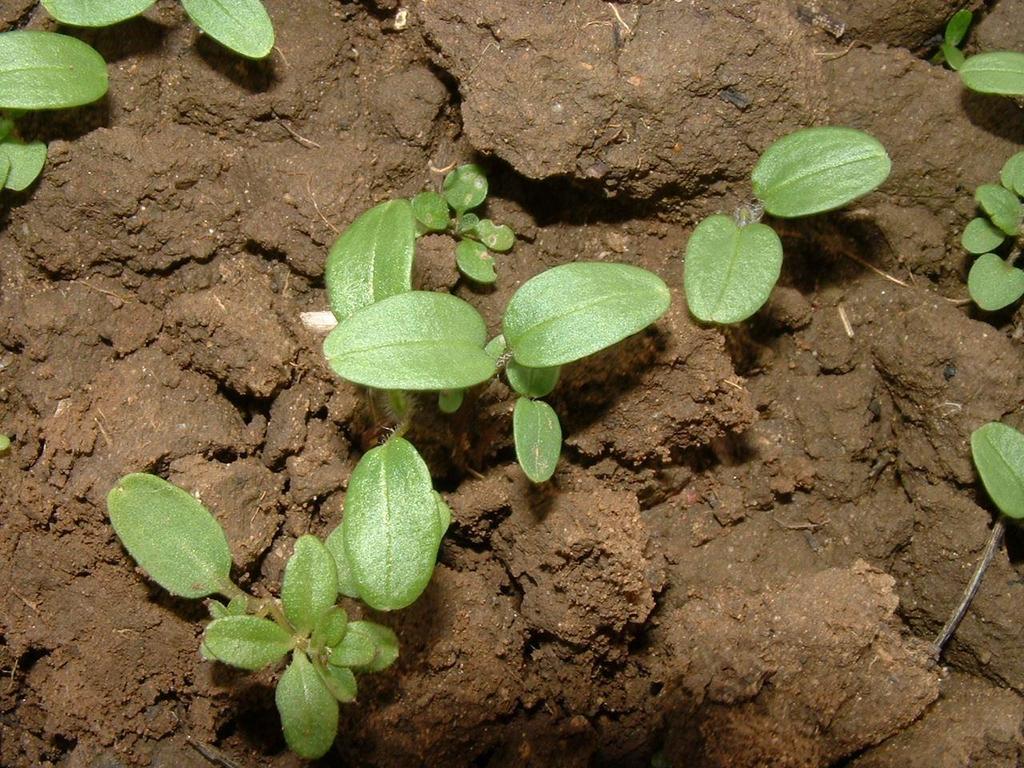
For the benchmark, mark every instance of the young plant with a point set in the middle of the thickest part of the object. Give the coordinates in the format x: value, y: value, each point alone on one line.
x: 998, y: 452
x: 40, y: 70
x: 997, y: 72
x: 994, y: 282
x: 181, y: 547
x: 955, y: 32
x: 241, y: 25
x: 732, y: 263
x: 402, y: 342
x: 5, y: 443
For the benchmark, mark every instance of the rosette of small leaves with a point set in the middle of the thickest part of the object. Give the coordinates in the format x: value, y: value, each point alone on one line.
x: 732, y: 265
x: 182, y: 547
x: 995, y: 237
x: 41, y: 70
x: 241, y: 25
x: 463, y: 190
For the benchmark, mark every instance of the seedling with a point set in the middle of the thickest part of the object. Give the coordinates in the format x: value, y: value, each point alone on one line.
x: 732, y: 264
x: 955, y: 32
x: 241, y: 25
x: 181, y: 546
x: 402, y: 342
x: 994, y: 282
x: 998, y: 452
x: 40, y: 70
x: 5, y: 443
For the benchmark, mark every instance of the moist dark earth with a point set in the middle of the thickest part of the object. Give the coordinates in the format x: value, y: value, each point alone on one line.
x: 754, y: 533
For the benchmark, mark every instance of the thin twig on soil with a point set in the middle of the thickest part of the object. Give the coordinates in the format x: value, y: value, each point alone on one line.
x: 212, y: 754
x: 995, y: 541
x: 301, y: 139
x: 874, y: 269
x: 846, y: 321
x: 312, y: 197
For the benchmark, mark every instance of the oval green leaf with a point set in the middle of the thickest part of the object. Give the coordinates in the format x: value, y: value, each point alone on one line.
x: 391, y: 526
x: 818, y: 169
x: 170, y: 535
x: 248, y: 642
x: 575, y: 310
x: 372, y: 259
x: 335, y: 544
x: 465, y: 187
x: 5, y: 443
x: 340, y: 682
x: 431, y: 210
x: 475, y: 262
x: 43, y: 70
x: 381, y: 639
x: 497, y: 237
x: 957, y: 26
x: 26, y: 163
x: 981, y: 236
x: 999, y: 72
x: 241, y: 25
x: 5, y: 169
x: 356, y: 649
x: 1001, y: 205
x: 450, y: 400
x: 330, y: 628
x: 94, y: 13
x: 1012, y: 174
x: 496, y: 347
x: 538, y: 438
x: 994, y: 284
x: 531, y: 382
x: 310, y: 584
x: 420, y: 340
x: 953, y: 56
x: 309, y: 713
x: 999, y: 456
x: 730, y: 270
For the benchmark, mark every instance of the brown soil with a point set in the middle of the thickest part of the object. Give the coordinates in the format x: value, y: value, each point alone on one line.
x: 753, y: 534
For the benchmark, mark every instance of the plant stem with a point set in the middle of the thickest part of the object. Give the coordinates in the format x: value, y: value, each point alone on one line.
x: 1011, y: 259
x: 260, y: 606
x: 995, y: 540
x: 400, y: 405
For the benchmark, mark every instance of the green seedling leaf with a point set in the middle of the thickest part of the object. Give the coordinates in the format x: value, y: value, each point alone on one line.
x: 25, y: 162
x: 238, y: 605
x: 981, y: 236
x: 431, y: 210
x: 497, y: 237
x: 1000, y: 72
x: 994, y: 284
x: 6, y: 127
x: 420, y: 340
x: 340, y: 682
x: 818, y: 169
x: 1012, y: 174
x: 5, y: 443
x: 310, y: 584
x: 953, y: 56
x: 999, y: 456
x: 957, y: 26
x: 444, y: 512
x: 43, y: 70
x: 170, y: 535
x: 5, y: 169
x: 309, y: 712
x: 450, y: 400
x: 217, y: 609
x: 248, y: 642
x: 356, y: 649
x: 531, y: 382
x: 94, y: 13
x: 391, y: 526
x: 575, y: 310
x: 495, y: 347
x: 335, y: 544
x: 475, y: 262
x: 1001, y: 205
x: 372, y: 259
x: 330, y: 628
x: 465, y: 188
x: 467, y: 224
x: 241, y: 25
x: 366, y: 633
x: 538, y: 438
x: 730, y: 270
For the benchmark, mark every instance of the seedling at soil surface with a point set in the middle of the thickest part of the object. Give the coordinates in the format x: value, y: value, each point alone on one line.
x: 41, y: 70
x: 5, y: 443
x: 998, y: 452
x: 994, y: 282
x: 956, y: 30
x: 183, y: 548
x: 733, y: 264
x: 241, y: 25
x: 402, y: 342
